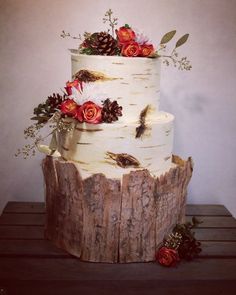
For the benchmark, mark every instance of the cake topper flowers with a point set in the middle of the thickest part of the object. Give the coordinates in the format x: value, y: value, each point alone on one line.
x: 129, y: 42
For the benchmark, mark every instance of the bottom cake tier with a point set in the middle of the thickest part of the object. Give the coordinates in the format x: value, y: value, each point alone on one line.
x: 109, y: 148
x: 101, y: 219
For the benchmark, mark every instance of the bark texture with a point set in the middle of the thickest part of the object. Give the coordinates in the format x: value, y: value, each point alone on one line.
x: 106, y: 220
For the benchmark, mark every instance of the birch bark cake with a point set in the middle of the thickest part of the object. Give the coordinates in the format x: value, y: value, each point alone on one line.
x: 113, y: 188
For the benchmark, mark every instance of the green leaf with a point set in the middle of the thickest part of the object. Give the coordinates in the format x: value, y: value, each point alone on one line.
x: 167, y: 37
x: 40, y: 119
x: 182, y: 40
x: 87, y: 51
x: 127, y: 26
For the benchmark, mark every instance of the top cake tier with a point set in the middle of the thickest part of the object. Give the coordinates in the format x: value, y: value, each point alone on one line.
x: 133, y: 82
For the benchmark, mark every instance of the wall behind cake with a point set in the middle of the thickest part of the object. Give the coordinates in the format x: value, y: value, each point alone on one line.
x: 35, y: 63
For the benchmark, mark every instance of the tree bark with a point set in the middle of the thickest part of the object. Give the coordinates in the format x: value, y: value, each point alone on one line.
x: 107, y: 220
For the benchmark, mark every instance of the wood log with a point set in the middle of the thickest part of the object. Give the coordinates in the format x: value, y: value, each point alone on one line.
x: 107, y: 220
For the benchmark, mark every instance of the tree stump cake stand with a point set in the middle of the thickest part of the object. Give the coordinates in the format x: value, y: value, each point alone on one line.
x: 107, y: 220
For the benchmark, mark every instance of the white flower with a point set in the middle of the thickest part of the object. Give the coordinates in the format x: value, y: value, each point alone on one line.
x: 141, y: 38
x: 90, y: 92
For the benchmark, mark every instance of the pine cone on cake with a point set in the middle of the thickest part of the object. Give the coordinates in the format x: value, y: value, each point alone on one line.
x: 111, y: 111
x: 101, y: 43
x: 44, y: 111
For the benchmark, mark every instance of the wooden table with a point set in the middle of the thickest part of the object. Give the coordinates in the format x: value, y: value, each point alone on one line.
x: 29, y: 264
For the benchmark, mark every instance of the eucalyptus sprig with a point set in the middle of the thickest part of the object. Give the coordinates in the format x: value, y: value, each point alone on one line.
x: 113, y: 21
x: 182, y: 63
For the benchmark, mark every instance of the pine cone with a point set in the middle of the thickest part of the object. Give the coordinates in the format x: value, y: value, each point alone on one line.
x: 189, y: 249
x: 50, y: 106
x: 102, y: 44
x: 111, y: 111
x: 173, y: 241
x: 54, y: 101
x: 44, y: 111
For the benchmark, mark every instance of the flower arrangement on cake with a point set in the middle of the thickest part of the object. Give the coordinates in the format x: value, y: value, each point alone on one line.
x: 78, y: 100
x: 128, y: 42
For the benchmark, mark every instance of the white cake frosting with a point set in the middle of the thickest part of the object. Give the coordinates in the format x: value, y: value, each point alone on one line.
x: 134, y: 83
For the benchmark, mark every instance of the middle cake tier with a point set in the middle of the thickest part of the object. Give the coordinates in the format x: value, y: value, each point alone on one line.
x: 114, y: 150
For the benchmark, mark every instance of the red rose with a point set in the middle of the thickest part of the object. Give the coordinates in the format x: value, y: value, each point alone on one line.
x: 167, y: 257
x: 130, y: 49
x: 69, y: 107
x: 146, y: 50
x: 125, y: 35
x: 69, y: 86
x: 89, y: 112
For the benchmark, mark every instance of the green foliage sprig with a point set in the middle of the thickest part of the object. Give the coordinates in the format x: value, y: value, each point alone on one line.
x: 113, y: 21
x: 181, y: 62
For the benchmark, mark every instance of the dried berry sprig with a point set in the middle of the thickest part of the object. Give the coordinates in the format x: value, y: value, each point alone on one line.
x: 113, y: 21
x: 29, y: 150
x: 33, y: 132
x: 68, y: 35
x: 182, y: 63
x: 80, y: 37
x: 64, y: 126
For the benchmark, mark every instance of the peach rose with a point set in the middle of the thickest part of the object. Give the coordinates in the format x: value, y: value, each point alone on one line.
x: 89, y: 112
x: 167, y: 257
x: 69, y: 107
x: 125, y: 34
x: 130, y: 49
x: 146, y: 50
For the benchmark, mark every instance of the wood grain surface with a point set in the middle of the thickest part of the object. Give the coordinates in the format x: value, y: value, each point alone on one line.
x: 30, y: 264
x: 99, y: 219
